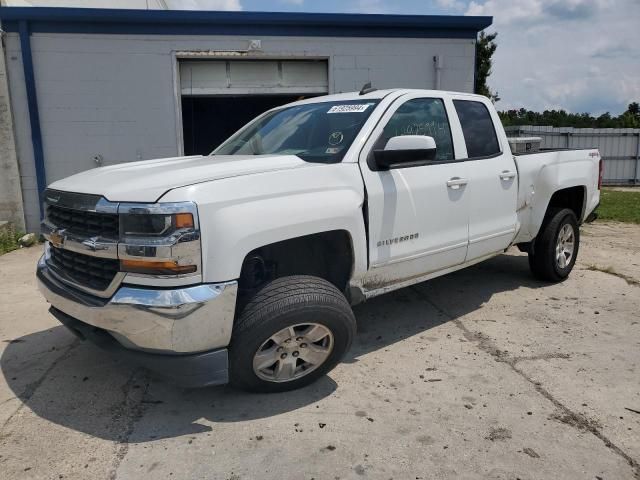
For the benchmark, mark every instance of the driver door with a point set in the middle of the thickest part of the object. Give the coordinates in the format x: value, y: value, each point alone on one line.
x: 418, y: 216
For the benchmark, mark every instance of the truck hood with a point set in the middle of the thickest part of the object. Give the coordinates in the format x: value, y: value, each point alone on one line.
x: 148, y: 180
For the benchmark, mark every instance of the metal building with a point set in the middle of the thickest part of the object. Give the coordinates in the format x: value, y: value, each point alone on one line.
x: 92, y: 87
x: 619, y: 147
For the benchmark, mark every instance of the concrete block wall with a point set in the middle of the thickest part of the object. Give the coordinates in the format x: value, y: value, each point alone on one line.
x: 114, y: 96
x: 11, y: 205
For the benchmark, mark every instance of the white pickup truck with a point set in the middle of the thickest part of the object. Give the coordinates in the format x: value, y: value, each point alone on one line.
x: 242, y: 266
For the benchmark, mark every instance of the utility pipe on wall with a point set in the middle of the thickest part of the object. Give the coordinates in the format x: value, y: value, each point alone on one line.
x: 34, y: 115
x: 437, y: 65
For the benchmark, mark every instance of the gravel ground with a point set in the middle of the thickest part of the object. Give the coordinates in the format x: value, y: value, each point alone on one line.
x: 624, y: 189
x: 484, y: 373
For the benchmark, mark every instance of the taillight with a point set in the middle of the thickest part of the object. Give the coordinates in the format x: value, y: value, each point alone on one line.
x: 601, y: 174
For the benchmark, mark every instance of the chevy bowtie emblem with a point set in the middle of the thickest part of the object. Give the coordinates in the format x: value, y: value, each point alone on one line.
x: 93, y: 245
x: 57, y: 238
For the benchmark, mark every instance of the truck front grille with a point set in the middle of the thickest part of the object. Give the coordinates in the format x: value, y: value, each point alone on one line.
x: 92, y: 272
x: 84, y: 224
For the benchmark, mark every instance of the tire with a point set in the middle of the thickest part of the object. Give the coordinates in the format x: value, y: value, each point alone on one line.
x: 306, y: 304
x: 544, y: 260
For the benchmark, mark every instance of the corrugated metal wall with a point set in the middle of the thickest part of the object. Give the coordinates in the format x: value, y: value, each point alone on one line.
x: 619, y: 147
x: 116, y: 97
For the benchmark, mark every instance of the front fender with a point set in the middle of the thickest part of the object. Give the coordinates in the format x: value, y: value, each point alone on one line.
x: 239, y: 214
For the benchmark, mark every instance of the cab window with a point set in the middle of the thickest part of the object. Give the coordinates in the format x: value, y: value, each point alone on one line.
x: 477, y: 128
x: 316, y: 132
x: 421, y: 116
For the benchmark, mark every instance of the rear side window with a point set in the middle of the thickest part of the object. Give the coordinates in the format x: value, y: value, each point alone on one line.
x: 477, y: 127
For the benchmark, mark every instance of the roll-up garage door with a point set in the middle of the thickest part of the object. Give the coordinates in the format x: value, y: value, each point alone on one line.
x: 253, y: 77
x: 220, y: 96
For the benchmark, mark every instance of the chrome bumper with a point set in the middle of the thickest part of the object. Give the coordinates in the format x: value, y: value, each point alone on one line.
x: 180, y: 321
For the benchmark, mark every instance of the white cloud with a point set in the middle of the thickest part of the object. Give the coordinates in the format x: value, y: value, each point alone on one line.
x: 530, y: 11
x: 579, y: 55
x: 451, y: 4
x: 204, y: 4
x: 370, y: 6
x: 506, y: 12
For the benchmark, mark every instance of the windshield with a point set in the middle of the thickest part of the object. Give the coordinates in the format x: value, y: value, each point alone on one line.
x: 315, y: 132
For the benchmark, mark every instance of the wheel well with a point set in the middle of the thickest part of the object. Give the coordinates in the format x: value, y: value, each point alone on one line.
x: 572, y: 198
x: 328, y: 255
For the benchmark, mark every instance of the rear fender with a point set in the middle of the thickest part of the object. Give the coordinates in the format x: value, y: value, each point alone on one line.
x: 536, y: 191
x: 544, y: 195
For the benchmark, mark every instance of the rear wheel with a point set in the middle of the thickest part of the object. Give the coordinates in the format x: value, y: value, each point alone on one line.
x: 555, y: 249
x: 295, y: 330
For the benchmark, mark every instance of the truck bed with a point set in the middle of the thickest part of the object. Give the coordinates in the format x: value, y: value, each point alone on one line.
x: 548, y: 150
x: 542, y: 173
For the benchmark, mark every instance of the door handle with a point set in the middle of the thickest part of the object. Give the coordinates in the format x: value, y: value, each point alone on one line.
x: 507, y: 175
x: 455, y: 183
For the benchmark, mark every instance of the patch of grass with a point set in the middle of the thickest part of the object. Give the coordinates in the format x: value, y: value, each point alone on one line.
x: 9, y: 240
x: 619, y: 206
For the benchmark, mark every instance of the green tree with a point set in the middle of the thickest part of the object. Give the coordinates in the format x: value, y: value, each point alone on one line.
x: 629, y: 120
x: 561, y: 118
x: 485, y: 48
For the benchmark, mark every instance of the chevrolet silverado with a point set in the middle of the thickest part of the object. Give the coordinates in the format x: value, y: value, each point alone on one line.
x: 241, y: 266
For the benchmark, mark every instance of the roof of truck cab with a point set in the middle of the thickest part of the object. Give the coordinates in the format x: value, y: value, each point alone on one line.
x: 340, y: 97
x: 380, y: 94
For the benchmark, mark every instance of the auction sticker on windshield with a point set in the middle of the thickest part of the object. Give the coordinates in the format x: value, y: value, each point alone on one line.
x: 358, y: 108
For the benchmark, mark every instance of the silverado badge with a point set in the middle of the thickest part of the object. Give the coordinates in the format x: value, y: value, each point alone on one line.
x: 391, y: 241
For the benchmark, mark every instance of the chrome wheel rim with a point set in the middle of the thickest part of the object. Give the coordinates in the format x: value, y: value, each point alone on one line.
x: 293, y: 352
x: 565, y: 245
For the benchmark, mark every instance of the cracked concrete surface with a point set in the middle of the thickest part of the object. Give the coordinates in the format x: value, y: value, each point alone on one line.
x: 563, y: 414
x: 484, y: 373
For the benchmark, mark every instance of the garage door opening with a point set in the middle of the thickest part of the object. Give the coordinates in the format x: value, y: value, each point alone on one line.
x: 209, y: 121
x: 220, y: 96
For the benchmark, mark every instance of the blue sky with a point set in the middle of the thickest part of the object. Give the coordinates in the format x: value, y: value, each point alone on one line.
x: 579, y: 55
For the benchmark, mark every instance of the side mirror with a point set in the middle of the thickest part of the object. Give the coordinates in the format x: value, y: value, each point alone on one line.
x: 406, y: 151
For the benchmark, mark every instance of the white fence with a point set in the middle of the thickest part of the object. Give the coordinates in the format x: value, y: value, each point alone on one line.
x: 619, y: 147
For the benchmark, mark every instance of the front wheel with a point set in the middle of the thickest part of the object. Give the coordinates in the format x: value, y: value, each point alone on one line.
x: 295, y: 330
x: 556, y: 246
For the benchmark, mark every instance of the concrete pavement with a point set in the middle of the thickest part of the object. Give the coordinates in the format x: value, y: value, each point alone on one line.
x: 484, y: 373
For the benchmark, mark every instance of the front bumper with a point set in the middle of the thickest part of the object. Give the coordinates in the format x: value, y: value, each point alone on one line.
x: 192, y: 371
x: 188, y: 328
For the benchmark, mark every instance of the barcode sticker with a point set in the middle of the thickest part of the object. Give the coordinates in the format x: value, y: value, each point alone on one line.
x: 358, y: 108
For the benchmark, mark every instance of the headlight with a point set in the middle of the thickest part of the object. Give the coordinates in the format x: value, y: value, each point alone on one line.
x: 159, y: 239
x: 154, y: 225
